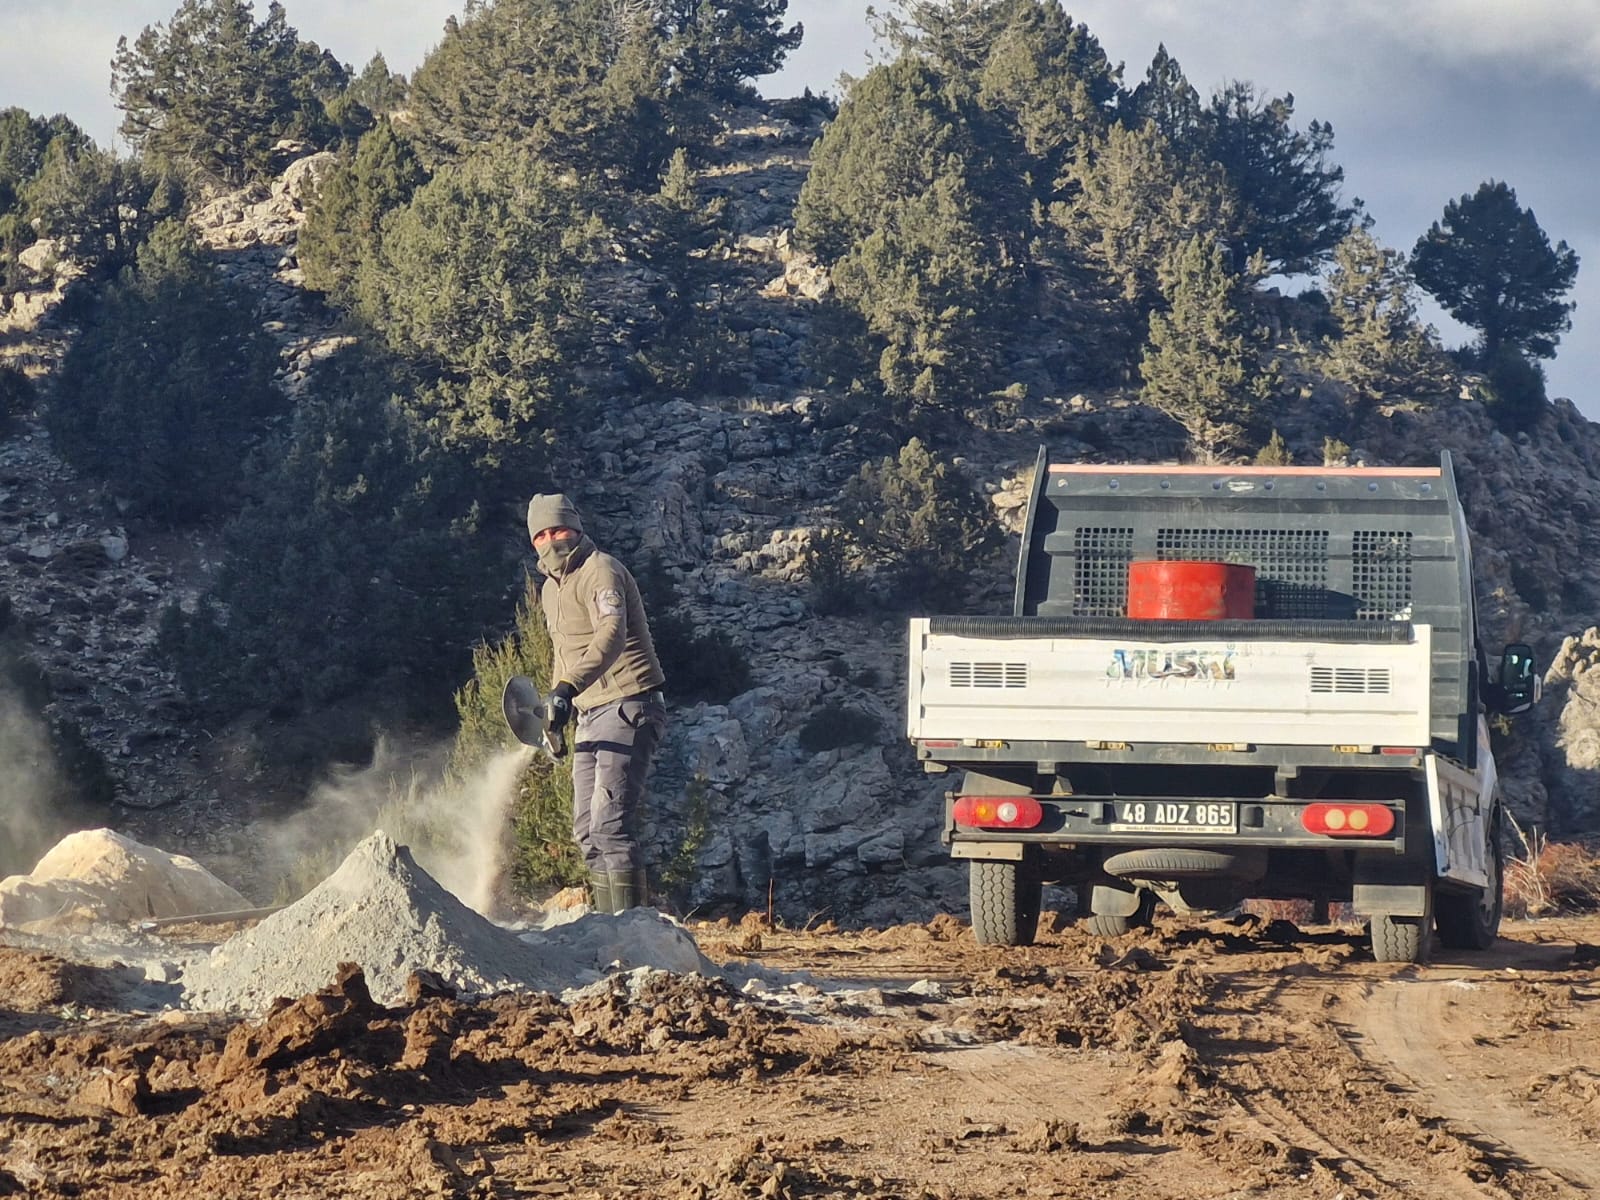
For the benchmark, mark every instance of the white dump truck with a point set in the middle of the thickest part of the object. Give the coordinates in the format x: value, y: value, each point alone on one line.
x: 1223, y: 683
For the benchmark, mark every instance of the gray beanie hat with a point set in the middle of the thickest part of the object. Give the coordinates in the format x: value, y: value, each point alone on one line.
x: 547, y: 512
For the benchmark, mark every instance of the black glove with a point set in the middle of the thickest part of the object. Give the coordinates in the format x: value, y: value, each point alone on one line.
x: 558, y: 707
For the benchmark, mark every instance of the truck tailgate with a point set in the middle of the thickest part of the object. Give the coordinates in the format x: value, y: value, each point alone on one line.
x: 1091, y: 689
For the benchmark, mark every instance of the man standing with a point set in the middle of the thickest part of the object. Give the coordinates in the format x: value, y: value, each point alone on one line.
x: 605, y: 671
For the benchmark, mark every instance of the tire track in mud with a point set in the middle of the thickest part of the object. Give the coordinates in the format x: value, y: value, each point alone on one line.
x: 1416, y: 1028
x: 1284, y: 1065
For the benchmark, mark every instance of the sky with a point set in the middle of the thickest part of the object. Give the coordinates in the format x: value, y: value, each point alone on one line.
x: 1427, y: 98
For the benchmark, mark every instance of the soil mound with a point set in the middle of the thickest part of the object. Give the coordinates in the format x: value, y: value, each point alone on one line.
x: 99, y: 875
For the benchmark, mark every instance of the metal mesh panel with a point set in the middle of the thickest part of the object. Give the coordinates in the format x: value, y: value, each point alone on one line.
x: 1291, y: 566
x: 1380, y: 574
x: 1100, y: 583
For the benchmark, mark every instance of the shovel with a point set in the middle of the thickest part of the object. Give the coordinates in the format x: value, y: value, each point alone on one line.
x: 524, y: 711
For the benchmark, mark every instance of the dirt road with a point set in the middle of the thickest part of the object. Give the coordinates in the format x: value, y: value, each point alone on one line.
x: 1218, y: 1060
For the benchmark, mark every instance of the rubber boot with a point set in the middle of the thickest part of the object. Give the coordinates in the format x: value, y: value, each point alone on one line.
x: 600, y: 887
x: 641, y: 881
x: 624, y: 891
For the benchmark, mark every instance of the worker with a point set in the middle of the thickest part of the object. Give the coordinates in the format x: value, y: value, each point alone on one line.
x: 606, y: 684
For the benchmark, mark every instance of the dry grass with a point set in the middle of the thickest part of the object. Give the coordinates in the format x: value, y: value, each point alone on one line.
x: 1548, y: 877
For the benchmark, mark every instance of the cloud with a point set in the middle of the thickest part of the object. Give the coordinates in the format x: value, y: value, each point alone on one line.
x: 1548, y: 38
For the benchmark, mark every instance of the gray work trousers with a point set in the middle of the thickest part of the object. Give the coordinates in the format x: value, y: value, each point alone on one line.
x: 611, y: 753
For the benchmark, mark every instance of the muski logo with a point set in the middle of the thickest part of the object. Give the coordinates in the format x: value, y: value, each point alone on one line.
x: 1210, y: 665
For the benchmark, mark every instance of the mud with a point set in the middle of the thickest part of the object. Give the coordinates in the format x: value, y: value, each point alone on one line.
x: 1226, y: 1059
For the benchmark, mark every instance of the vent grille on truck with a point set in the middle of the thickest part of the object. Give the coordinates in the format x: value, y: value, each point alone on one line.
x: 1350, y: 681
x: 988, y: 674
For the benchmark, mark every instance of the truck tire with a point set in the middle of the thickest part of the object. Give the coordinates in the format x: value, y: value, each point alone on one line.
x: 1470, y: 920
x: 1110, y: 925
x: 1403, y: 939
x: 1178, y: 862
x: 1005, y: 899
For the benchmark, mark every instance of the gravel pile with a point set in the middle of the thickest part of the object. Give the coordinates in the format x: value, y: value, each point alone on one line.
x: 385, y: 913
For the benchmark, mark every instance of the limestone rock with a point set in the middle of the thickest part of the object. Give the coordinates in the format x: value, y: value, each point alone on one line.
x: 101, y: 876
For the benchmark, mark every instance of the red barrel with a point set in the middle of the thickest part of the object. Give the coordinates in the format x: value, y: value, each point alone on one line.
x: 1191, y: 591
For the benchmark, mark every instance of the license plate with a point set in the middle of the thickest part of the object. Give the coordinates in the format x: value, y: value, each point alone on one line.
x: 1184, y: 816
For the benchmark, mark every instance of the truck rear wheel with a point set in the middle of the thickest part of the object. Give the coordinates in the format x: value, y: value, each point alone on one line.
x: 1403, y: 939
x: 1005, y: 899
x: 1113, y: 925
x: 1470, y: 920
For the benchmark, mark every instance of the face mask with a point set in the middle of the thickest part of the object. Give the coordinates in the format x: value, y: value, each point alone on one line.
x: 553, y: 555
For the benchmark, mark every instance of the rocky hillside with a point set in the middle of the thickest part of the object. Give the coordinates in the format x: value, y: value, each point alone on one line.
x: 802, y: 784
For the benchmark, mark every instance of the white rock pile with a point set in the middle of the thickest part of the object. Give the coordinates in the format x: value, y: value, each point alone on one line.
x: 99, y: 876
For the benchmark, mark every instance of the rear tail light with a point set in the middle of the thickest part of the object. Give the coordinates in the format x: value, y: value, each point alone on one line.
x: 1348, y: 820
x: 998, y: 812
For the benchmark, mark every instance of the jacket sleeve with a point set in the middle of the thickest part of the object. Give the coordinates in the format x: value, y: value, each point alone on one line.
x: 606, y: 599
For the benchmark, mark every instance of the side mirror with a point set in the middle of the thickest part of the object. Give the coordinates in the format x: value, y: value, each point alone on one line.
x: 1520, y: 685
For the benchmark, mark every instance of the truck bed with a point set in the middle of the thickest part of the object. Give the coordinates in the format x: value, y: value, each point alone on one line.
x: 1041, y: 680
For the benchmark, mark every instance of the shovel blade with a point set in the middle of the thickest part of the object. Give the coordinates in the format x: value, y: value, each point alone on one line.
x: 524, y: 710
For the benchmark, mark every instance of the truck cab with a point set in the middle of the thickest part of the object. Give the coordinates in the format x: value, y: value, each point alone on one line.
x: 1221, y: 683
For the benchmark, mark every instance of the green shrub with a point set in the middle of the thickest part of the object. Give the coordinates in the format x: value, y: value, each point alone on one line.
x: 1515, y: 394
x: 918, y: 518
x: 363, y: 564
x: 545, y: 857
x: 1334, y: 452
x: 828, y: 572
x: 1275, y: 453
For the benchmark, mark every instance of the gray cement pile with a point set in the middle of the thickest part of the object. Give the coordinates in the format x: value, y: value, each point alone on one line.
x: 385, y: 913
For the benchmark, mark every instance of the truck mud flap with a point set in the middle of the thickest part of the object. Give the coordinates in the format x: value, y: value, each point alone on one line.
x: 989, y: 851
x: 1399, y: 887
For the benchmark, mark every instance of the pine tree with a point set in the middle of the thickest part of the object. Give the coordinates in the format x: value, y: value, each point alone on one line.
x: 913, y: 200
x: 361, y: 564
x: 212, y: 92
x: 1137, y: 203
x: 1289, y: 209
x: 169, y: 385
x: 1199, y: 367
x: 479, y: 281
x: 24, y: 143
x: 343, y: 229
x: 376, y: 95
x: 1169, y: 101
x: 1380, y: 344
x: 1493, y: 268
x: 716, y: 49
x: 1052, y: 81
x: 102, y: 208
x: 918, y: 517
x: 682, y: 238
x: 582, y: 84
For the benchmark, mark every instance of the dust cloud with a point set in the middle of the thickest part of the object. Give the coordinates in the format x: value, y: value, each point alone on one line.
x: 30, y: 820
x: 457, y: 827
